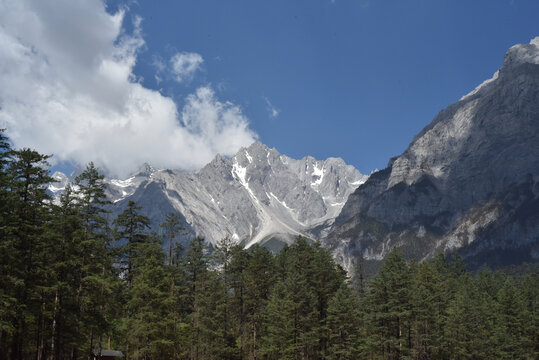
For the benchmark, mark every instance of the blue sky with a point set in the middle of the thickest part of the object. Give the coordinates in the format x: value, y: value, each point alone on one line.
x: 350, y: 78
x: 355, y: 79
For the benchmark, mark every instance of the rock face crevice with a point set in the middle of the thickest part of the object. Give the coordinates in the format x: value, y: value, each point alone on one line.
x: 452, y: 175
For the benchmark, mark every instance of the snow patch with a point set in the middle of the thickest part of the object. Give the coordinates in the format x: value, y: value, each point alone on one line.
x: 122, y: 183
x: 358, y: 182
x: 482, y: 85
x: 317, y: 172
x: 279, y: 201
x: 249, y: 158
x: 240, y: 172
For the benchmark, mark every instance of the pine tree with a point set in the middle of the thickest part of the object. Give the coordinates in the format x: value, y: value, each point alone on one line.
x: 309, y: 278
x: 469, y: 323
x: 280, y: 338
x: 222, y: 258
x: 389, y: 309
x: 426, y: 304
x: 528, y: 291
x: 259, y: 280
x: 304, y: 298
x: 509, y: 335
x: 343, y: 323
x: 358, y: 279
x: 27, y: 214
x: 195, y: 266
x: 7, y: 299
x: 95, y: 270
x: 237, y: 281
x: 326, y: 278
x: 130, y: 229
x: 150, y: 326
x: 171, y: 228
x: 62, y: 254
x: 215, y: 340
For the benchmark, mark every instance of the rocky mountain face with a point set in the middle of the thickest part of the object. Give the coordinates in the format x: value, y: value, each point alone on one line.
x: 257, y: 196
x: 469, y: 181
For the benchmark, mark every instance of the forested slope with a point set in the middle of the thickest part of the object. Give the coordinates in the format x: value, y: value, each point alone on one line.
x: 73, y: 279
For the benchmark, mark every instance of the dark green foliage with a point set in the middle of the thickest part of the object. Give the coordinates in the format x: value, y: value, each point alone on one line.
x: 130, y: 231
x: 27, y: 214
x: 296, y: 315
x: 345, y: 341
x: 389, y: 300
x: 149, y: 326
x: 69, y: 285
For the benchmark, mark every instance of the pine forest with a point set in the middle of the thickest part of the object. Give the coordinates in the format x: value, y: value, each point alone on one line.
x: 74, y: 280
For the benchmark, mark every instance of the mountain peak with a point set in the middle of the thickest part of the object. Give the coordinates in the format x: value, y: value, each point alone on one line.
x: 257, y: 148
x: 522, y: 54
x: 446, y: 187
x: 144, y: 170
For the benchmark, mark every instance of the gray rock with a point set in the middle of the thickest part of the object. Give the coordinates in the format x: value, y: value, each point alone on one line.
x: 442, y: 185
x: 257, y: 196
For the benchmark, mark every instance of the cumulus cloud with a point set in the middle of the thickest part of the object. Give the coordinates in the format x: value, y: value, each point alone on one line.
x: 68, y: 89
x: 185, y: 64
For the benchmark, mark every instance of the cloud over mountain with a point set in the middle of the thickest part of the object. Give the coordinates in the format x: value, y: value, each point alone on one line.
x: 68, y: 89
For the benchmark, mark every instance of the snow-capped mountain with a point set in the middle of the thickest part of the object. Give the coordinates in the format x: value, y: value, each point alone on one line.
x: 469, y: 181
x: 257, y: 196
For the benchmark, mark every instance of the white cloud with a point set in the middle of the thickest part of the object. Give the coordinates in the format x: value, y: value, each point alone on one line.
x: 160, y: 68
x: 185, y: 64
x: 67, y: 88
x: 272, y: 110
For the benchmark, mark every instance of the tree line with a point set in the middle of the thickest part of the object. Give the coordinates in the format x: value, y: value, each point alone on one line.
x: 73, y: 280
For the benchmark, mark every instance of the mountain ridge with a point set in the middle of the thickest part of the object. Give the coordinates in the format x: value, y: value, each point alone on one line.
x: 485, y: 144
x: 252, y: 197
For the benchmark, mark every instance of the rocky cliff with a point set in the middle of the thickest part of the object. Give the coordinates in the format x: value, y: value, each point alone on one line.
x: 467, y: 182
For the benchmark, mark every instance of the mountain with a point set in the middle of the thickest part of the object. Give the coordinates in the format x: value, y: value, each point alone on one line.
x: 468, y: 182
x: 257, y: 196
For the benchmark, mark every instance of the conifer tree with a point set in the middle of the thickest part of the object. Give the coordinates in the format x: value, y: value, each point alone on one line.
x: 61, y: 235
x: 280, y: 338
x: 237, y: 280
x: 389, y: 309
x: 509, y: 335
x: 426, y: 303
x: 171, y: 228
x: 358, y: 279
x: 343, y: 323
x: 222, y: 258
x: 469, y: 324
x: 195, y: 266
x: 96, y: 275
x: 150, y: 330
x: 27, y: 200
x: 528, y: 290
x: 215, y: 340
x: 259, y: 279
x: 7, y: 300
x: 131, y: 229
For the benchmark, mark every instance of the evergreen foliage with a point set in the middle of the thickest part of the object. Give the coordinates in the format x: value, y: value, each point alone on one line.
x: 70, y: 285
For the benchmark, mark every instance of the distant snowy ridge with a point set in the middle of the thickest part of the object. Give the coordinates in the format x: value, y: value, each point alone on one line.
x: 254, y: 197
